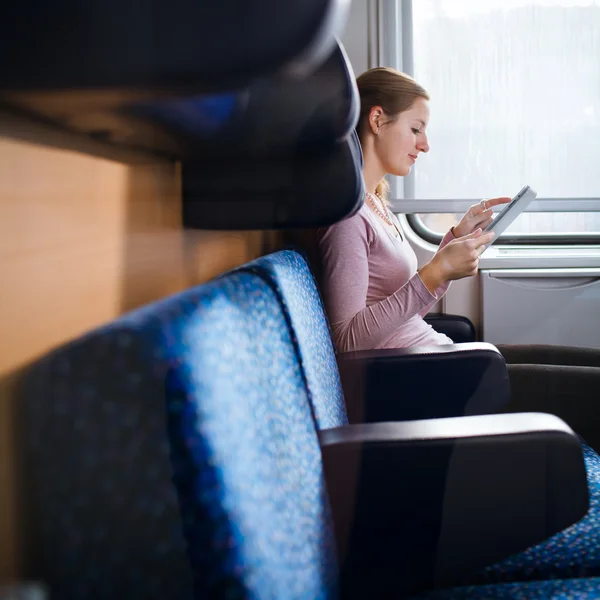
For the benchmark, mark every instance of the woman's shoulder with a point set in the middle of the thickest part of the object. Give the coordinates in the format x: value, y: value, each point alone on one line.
x: 359, y: 224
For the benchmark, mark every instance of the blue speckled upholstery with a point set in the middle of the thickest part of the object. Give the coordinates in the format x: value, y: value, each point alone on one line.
x: 290, y: 276
x: 572, y: 553
x: 556, y: 589
x: 177, y: 444
x: 173, y: 454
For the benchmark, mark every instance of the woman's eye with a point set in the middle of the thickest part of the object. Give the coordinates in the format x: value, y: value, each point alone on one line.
x: 416, y: 131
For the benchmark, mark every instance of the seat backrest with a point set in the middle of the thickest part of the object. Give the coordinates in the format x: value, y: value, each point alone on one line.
x: 276, y: 192
x: 173, y: 454
x: 290, y: 276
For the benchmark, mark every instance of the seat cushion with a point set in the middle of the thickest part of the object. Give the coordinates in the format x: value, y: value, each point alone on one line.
x: 290, y: 276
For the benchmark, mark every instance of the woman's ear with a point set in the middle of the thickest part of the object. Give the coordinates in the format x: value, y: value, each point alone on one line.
x: 375, y: 119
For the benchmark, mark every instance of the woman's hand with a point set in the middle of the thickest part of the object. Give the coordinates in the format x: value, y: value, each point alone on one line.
x: 457, y: 259
x: 478, y: 216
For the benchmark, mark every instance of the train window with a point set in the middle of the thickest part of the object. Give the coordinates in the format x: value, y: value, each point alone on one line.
x: 515, y: 89
x: 537, y: 228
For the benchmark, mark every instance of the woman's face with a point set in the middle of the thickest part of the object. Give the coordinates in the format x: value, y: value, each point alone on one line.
x: 400, y: 141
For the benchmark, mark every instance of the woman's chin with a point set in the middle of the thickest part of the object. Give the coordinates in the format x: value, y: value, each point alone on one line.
x: 402, y: 171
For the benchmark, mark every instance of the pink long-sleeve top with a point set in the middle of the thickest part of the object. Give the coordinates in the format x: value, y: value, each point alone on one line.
x: 373, y: 294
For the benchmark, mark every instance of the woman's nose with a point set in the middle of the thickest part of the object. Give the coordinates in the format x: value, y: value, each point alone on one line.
x: 423, y: 145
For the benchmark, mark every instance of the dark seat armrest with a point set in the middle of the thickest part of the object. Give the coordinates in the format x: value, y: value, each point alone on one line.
x: 458, y: 328
x: 424, y: 382
x: 425, y: 503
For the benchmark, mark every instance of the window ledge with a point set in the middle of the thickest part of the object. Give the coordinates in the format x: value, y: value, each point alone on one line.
x: 535, y: 257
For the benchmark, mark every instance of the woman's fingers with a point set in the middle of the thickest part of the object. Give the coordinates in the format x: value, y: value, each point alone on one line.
x: 473, y: 235
x: 483, y: 224
x: 478, y: 215
x: 483, y: 239
x: 496, y: 201
x: 482, y: 219
x: 485, y: 206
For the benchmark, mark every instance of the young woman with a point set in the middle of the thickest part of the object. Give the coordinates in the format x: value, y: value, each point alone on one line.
x: 374, y: 294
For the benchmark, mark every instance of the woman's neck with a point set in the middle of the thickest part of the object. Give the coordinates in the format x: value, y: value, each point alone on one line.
x: 373, y: 172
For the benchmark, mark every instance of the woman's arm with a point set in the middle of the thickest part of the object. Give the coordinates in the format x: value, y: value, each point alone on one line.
x: 344, y: 251
x: 442, y: 289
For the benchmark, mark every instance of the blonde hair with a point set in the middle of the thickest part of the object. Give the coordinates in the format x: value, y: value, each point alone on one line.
x: 394, y: 91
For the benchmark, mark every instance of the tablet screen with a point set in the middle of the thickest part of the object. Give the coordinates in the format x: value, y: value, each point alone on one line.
x: 516, y: 206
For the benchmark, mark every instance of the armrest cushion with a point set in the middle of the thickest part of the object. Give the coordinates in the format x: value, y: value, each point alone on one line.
x: 458, y: 328
x: 423, y: 503
x: 424, y: 382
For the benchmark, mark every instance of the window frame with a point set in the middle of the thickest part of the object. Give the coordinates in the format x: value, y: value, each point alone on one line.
x: 395, y: 47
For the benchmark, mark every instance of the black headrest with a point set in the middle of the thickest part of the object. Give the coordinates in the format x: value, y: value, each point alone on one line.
x: 270, y: 116
x: 121, y: 44
x: 314, y: 189
x: 287, y: 157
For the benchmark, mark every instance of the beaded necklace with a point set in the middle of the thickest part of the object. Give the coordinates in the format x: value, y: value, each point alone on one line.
x: 382, y: 210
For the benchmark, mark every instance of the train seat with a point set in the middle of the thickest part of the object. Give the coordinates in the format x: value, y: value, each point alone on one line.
x: 569, y: 553
x: 172, y: 454
x: 175, y: 453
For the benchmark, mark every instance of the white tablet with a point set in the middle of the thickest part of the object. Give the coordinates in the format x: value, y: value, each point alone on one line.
x: 513, y: 209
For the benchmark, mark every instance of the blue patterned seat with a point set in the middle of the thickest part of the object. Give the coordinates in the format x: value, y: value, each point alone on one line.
x: 288, y: 273
x: 173, y: 454
x: 574, y: 552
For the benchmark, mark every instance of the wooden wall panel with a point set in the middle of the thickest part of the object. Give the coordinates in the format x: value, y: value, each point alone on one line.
x: 84, y: 237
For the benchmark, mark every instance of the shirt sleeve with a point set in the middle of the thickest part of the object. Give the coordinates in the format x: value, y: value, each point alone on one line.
x: 440, y: 291
x: 344, y: 252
